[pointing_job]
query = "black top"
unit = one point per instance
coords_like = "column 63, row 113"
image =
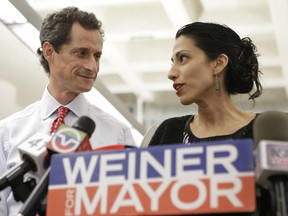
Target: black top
column 177, row 131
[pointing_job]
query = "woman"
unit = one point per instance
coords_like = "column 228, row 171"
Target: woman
column 210, row 62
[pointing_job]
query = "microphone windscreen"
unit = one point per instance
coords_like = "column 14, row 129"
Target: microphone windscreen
column 85, row 124
column 270, row 125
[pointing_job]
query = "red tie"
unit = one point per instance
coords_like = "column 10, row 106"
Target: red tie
column 62, row 112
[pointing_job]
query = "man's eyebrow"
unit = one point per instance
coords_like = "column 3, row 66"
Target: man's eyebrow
column 79, row 48
column 98, row 53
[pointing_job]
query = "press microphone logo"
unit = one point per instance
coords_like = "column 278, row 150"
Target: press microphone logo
column 66, row 139
column 277, row 154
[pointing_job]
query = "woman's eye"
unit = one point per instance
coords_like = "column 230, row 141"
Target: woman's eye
column 183, row 58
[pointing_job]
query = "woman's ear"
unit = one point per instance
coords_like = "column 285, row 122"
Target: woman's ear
column 221, row 63
column 48, row 50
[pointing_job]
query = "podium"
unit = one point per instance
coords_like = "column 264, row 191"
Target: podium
column 203, row 178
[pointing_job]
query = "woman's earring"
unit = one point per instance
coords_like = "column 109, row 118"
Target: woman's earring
column 216, row 84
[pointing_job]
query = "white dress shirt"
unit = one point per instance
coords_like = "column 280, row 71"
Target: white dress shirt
column 38, row 117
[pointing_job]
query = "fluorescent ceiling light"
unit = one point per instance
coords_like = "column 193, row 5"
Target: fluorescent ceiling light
column 19, row 25
column 28, row 34
column 9, row 14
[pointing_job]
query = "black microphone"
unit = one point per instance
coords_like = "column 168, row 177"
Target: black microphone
column 69, row 140
column 34, row 150
column 270, row 131
column 33, row 202
column 73, row 139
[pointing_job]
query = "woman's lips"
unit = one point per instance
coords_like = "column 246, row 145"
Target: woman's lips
column 178, row 87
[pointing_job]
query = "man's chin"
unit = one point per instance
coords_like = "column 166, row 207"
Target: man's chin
column 86, row 90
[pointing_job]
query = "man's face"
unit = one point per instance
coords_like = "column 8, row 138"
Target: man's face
column 74, row 68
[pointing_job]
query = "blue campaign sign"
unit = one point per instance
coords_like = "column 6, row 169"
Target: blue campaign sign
column 220, row 173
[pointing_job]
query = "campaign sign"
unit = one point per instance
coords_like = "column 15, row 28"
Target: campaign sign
column 212, row 177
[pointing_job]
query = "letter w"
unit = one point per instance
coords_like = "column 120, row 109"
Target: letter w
column 79, row 167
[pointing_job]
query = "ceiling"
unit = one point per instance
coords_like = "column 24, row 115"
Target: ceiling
column 138, row 44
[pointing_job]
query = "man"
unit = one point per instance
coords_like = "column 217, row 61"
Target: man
column 71, row 47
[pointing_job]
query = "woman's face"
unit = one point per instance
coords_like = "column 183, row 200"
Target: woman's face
column 191, row 72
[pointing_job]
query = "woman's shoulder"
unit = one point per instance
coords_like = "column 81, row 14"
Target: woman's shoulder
column 176, row 120
column 170, row 131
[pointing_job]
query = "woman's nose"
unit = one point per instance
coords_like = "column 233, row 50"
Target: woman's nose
column 172, row 74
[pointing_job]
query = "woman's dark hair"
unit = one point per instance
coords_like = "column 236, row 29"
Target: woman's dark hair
column 56, row 29
column 243, row 68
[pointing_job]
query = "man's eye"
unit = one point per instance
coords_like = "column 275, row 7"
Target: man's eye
column 81, row 53
column 97, row 56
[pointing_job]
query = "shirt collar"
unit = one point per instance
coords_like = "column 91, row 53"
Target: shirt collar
column 49, row 104
column 79, row 105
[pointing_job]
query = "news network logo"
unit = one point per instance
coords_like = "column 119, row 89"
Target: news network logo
column 277, row 155
column 66, row 139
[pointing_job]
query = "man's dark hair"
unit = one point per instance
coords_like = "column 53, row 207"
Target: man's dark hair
column 56, row 28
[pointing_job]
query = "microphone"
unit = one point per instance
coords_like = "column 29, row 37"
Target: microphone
column 69, row 140
column 33, row 202
column 270, row 131
column 65, row 140
column 270, row 125
column 32, row 152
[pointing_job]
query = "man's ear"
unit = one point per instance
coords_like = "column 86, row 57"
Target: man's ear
column 220, row 64
column 48, row 50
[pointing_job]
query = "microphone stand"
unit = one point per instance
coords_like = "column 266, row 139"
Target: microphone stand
column 14, row 178
column 33, row 203
column 280, row 190
column 21, row 190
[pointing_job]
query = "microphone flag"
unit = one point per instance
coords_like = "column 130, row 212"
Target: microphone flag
column 271, row 159
column 69, row 140
column 35, row 148
column 208, row 177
